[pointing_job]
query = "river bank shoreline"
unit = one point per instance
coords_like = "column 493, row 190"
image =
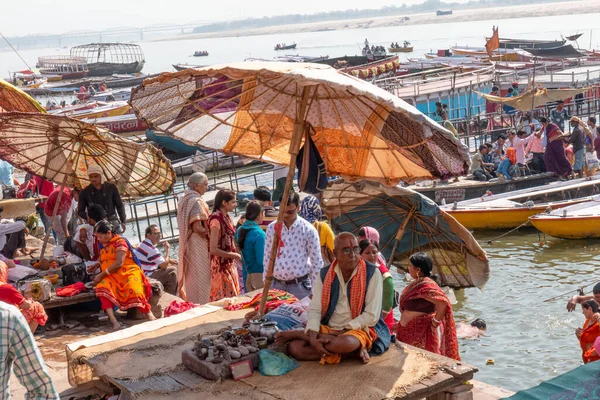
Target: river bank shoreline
column 480, row 14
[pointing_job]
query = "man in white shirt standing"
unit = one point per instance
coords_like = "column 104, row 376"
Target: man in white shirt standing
column 154, row 264
column 298, row 258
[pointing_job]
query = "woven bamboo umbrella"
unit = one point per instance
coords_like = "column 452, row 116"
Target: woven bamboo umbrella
column 409, row 222
column 61, row 149
column 14, row 99
column 265, row 110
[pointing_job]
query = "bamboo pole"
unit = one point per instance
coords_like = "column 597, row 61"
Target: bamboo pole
column 400, row 234
column 297, row 133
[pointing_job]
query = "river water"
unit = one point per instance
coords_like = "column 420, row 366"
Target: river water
column 530, row 340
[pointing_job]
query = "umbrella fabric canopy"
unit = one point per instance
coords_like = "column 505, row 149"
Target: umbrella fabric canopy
column 61, row 149
column 14, row 99
column 407, row 223
column 250, row 109
column 540, row 97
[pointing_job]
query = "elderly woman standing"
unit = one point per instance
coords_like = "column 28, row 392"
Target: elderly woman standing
column 223, row 252
column 194, row 259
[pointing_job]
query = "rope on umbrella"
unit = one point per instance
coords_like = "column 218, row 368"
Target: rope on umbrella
column 507, row 233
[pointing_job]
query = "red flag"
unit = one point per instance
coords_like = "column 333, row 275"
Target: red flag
column 493, row 43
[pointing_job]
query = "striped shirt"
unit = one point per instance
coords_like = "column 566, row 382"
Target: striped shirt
column 149, row 256
column 17, row 346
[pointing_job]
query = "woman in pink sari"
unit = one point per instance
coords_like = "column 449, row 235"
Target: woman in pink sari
column 194, row 260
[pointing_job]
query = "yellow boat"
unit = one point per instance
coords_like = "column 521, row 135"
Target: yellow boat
column 111, row 110
column 581, row 221
column 502, row 214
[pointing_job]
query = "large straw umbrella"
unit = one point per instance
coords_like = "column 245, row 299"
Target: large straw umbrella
column 14, row 99
column 61, row 150
column 408, row 222
column 266, row 110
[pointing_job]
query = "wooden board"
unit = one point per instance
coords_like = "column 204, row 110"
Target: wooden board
column 56, row 301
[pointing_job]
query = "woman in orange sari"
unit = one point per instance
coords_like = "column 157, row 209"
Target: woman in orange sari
column 589, row 332
column 223, row 252
column 34, row 312
column 121, row 282
column 426, row 313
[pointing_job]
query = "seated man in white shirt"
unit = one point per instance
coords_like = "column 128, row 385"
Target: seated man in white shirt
column 344, row 315
column 154, row 264
column 12, row 237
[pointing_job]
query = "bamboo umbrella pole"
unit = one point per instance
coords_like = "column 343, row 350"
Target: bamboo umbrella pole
column 297, row 134
column 400, row 234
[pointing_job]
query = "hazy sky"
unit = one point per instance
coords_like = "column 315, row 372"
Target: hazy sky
column 51, row 16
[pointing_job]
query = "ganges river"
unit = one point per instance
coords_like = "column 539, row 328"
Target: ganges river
column 529, row 340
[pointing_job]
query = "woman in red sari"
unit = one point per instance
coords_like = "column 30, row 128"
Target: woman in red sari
column 589, row 332
column 223, row 252
column 426, row 313
column 33, row 311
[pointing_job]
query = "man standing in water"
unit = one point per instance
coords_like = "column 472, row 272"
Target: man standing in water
column 106, row 195
column 578, row 299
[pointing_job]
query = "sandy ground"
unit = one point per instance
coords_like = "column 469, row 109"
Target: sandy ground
column 549, row 9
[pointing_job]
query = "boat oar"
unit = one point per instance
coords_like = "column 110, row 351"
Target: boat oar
column 580, row 290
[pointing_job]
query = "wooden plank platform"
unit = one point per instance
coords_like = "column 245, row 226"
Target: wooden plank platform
column 57, row 301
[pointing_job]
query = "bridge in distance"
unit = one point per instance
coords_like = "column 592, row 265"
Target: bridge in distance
column 135, row 33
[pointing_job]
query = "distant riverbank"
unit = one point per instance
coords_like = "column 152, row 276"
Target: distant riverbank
column 479, row 14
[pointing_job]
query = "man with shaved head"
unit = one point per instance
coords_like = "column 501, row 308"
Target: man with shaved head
column 344, row 315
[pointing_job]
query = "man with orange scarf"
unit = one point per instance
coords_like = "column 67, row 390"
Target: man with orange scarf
column 344, row 315
column 426, row 313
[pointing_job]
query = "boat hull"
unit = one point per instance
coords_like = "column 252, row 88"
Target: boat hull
column 458, row 192
column 400, row 50
column 105, row 69
column 503, row 218
column 568, row 227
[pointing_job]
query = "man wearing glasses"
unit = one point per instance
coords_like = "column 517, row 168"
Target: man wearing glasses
column 154, row 264
column 298, row 258
column 344, row 315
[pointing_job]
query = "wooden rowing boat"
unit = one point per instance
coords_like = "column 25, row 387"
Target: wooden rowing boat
column 510, row 210
column 408, row 49
column 580, row 221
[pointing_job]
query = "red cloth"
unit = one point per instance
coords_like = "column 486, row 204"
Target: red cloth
column 44, row 187
column 70, row 290
column 10, row 295
column 30, row 185
column 275, row 298
column 65, row 202
column 419, row 332
column 177, row 307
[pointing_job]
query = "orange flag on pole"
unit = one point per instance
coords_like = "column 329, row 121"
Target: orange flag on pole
column 493, row 43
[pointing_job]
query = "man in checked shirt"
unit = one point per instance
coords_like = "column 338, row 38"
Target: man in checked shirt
column 299, row 254
column 18, row 347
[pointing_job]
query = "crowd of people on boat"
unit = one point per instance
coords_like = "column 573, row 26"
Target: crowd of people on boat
column 397, row 46
column 85, row 93
column 541, row 145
